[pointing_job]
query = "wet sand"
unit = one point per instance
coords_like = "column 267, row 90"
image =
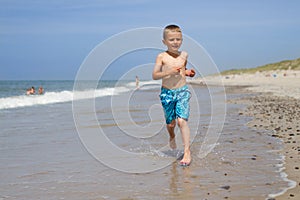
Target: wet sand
column 42, row 156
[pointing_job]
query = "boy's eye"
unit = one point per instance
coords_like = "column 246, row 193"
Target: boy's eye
column 177, row 39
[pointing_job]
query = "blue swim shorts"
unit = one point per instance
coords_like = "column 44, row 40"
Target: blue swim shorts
column 175, row 103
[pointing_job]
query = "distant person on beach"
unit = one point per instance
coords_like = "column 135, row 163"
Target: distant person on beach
column 41, row 90
column 170, row 66
column 30, row 91
column 137, row 82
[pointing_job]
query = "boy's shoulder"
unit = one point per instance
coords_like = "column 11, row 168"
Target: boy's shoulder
column 161, row 54
column 184, row 54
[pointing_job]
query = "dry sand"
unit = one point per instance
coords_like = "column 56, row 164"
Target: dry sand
column 279, row 83
column 277, row 108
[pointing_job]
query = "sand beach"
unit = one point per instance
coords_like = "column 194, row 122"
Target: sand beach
column 275, row 106
column 280, row 83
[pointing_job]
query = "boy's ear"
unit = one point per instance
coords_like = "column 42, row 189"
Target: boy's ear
column 163, row 41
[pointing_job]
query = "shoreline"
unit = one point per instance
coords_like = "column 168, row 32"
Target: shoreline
column 275, row 106
column 269, row 113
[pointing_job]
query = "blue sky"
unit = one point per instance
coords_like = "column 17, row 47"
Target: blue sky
column 50, row 39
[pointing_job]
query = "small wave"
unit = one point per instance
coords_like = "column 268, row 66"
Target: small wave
column 57, row 97
column 284, row 176
column 51, row 97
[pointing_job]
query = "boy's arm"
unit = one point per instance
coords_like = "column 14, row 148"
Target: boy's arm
column 188, row 72
column 157, row 71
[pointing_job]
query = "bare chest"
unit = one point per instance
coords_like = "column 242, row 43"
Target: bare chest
column 171, row 62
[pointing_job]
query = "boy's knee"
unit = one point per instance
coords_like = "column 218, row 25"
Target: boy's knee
column 181, row 122
column 172, row 124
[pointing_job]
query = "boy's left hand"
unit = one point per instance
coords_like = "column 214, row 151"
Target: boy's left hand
column 190, row 73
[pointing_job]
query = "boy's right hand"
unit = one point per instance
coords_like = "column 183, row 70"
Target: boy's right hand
column 190, row 73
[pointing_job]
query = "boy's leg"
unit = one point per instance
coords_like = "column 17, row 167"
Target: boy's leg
column 185, row 134
column 183, row 112
column 171, row 128
column 168, row 104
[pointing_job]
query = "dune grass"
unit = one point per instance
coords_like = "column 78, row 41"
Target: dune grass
column 282, row 65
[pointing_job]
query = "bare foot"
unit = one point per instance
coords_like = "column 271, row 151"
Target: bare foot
column 172, row 143
column 186, row 160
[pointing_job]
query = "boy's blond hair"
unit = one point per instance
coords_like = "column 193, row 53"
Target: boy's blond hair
column 171, row 28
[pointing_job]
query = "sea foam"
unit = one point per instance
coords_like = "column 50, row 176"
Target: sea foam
column 69, row 95
column 56, row 97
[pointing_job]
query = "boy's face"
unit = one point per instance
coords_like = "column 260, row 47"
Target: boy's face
column 173, row 40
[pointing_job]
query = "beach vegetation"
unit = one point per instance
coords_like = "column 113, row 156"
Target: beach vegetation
column 282, row 65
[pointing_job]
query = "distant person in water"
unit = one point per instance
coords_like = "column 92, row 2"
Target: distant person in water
column 137, row 82
column 41, row 90
column 30, row 91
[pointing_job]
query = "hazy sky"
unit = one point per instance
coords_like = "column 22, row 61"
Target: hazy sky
column 43, row 39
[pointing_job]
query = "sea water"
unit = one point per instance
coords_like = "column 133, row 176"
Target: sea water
column 12, row 93
column 42, row 155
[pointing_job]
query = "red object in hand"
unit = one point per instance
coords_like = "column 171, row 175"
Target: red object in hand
column 191, row 73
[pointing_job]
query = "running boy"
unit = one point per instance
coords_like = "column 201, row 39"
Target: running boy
column 170, row 66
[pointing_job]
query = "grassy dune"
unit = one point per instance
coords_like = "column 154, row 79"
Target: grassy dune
column 283, row 65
